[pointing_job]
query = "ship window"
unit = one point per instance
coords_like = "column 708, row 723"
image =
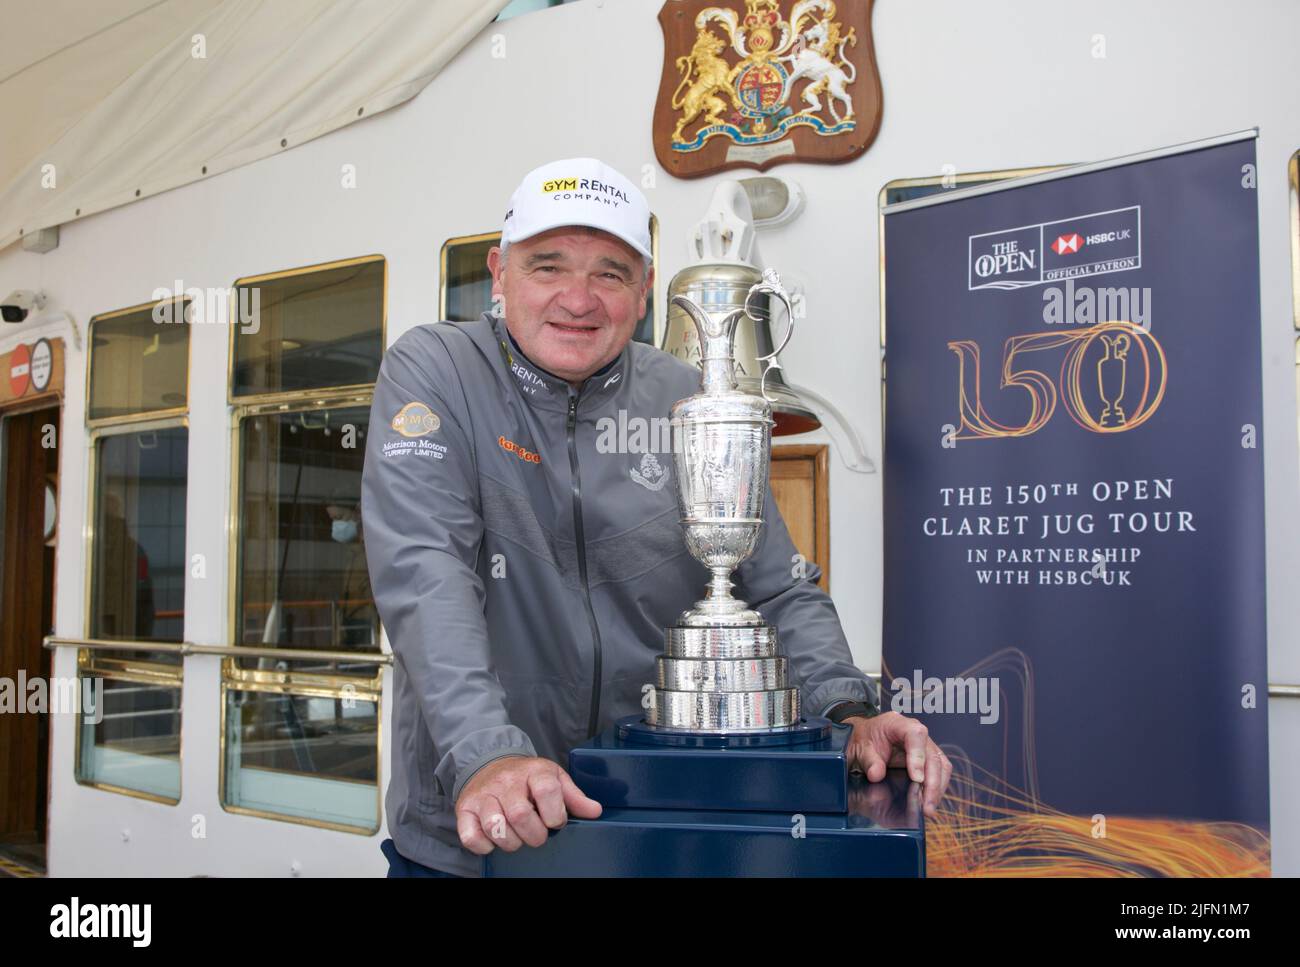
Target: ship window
column 131, row 739
column 139, row 362
column 1293, row 176
column 300, row 713
column 465, row 289
column 310, row 754
column 302, row 572
column 320, row 327
column 137, row 587
column 128, row 738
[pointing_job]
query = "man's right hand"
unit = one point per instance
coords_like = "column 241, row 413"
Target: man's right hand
column 514, row 801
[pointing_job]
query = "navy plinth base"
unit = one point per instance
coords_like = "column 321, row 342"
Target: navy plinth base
column 640, row 767
column 627, row 842
column 762, row 804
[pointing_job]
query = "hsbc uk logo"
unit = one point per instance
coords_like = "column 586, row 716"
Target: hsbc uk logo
column 1067, row 244
column 1094, row 244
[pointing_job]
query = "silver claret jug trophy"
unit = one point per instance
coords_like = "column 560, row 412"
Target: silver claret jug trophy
column 720, row 671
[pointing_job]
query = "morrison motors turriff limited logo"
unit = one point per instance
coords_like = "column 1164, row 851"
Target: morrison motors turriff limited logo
column 1070, row 248
column 416, row 419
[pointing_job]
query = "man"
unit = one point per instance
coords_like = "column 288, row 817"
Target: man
column 355, row 623
column 525, row 577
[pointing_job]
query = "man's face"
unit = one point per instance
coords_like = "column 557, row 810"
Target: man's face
column 572, row 298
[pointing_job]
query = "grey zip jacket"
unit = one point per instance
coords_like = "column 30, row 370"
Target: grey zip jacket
column 525, row 553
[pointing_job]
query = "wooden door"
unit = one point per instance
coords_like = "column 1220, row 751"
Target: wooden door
column 800, row 483
column 26, row 616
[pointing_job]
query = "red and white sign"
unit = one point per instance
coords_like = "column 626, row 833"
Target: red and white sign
column 20, row 369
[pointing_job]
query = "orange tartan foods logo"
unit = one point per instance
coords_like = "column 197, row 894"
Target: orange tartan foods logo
column 511, row 447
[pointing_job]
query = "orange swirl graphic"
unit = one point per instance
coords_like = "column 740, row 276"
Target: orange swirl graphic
column 986, row 829
column 988, row 826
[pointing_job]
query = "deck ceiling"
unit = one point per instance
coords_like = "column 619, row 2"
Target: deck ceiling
column 110, row 94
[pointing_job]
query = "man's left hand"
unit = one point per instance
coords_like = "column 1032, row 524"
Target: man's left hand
column 890, row 739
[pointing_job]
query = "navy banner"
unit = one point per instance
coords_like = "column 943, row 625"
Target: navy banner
column 1074, row 515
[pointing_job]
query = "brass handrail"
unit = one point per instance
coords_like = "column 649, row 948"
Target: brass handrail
column 1275, row 690
column 226, row 651
column 172, row 647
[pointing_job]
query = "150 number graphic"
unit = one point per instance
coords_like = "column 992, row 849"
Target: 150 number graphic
column 1112, row 346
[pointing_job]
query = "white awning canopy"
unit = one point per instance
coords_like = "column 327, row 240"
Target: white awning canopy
column 107, row 102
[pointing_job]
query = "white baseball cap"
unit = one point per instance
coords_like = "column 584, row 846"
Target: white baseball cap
column 578, row 191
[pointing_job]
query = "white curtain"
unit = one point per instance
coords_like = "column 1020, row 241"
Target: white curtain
column 249, row 78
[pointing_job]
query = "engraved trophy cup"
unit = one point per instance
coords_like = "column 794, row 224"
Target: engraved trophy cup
column 720, row 671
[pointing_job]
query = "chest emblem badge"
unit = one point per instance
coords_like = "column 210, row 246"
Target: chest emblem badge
column 651, row 475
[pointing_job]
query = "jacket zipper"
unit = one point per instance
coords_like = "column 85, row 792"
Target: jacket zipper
column 570, row 433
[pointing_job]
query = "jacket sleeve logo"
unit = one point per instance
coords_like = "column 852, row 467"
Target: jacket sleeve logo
column 416, row 419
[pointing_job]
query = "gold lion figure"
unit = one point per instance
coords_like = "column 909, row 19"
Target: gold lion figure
column 713, row 75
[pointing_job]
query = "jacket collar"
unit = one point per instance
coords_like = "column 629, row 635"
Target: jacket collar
column 537, row 386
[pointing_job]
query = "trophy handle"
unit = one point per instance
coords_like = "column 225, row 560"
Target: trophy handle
column 771, row 286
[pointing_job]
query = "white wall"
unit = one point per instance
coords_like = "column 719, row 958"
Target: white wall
column 1002, row 83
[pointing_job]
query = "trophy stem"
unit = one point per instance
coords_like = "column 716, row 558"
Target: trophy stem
column 719, row 585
